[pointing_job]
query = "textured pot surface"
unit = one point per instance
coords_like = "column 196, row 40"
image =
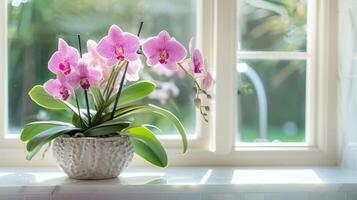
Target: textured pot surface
column 92, row 158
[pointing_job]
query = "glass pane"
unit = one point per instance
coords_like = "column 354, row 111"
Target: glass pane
column 271, row 101
column 35, row 25
column 272, row 25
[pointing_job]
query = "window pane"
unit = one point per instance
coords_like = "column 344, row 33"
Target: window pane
column 272, row 25
column 271, row 101
column 35, row 25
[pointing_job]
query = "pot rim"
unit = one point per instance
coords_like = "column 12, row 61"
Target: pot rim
column 94, row 138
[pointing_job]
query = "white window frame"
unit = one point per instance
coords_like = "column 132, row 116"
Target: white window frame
column 215, row 142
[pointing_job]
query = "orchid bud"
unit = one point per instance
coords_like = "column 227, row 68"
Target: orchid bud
column 207, row 108
column 197, row 102
column 194, row 90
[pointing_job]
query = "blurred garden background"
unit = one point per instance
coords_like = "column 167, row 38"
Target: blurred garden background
column 273, row 26
column 265, row 25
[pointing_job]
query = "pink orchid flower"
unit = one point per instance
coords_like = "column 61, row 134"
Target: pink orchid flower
column 198, row 67
column 207, row 81
column 63, row 60
column 92, row 57
column 163, row 50
column 196, row 61
column 59, row 88
column 86, row 76
column 133, row 70
column 118, row 46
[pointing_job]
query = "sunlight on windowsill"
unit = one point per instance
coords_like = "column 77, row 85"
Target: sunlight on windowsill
column 180, row 176
column 275, row 176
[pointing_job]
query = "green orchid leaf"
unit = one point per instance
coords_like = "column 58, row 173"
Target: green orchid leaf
column 34, row 128
column 113, row 123
column 152, row 127
column 48, row 135
column 41, row 98
column 107, row 128
column 148, row 108
column 77, row 122
column 97, row 96
column 32, row 153
column 134, row 92
column 147, row 146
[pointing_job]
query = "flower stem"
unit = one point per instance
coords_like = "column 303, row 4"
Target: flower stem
column 110, row 79
column 79, row 109
column 120, row 88
column 88, row 111
column 123, row 79
column 112, row 83
column 189, row 75
column 79, row 45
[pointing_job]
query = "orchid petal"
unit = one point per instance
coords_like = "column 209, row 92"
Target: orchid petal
column 130, row 42
column 151, row 47
column 133, row 70
column 115, row 33
column 207, row 81
column 177, row 50
column 62, row 46
column 54, row 62
column 112, row 61
column 106, row 47
column 52, row 87
column 72, row 55
column 94, row 76
column 164, row 35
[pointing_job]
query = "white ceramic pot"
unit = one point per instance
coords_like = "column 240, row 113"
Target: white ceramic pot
column 93, row 158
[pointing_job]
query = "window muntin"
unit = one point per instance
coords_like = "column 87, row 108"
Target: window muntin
column 33, row 29
column 272, row 93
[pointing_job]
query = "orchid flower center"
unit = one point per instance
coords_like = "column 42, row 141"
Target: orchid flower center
column 197, row 66
column 84, row 83
column 64, row 92
column 65, row 67
column 163, row 57
column 119, row 52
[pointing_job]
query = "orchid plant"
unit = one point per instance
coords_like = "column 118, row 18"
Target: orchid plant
column 108, row 76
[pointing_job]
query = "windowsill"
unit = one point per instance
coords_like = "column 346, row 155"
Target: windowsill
column 185, row 183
